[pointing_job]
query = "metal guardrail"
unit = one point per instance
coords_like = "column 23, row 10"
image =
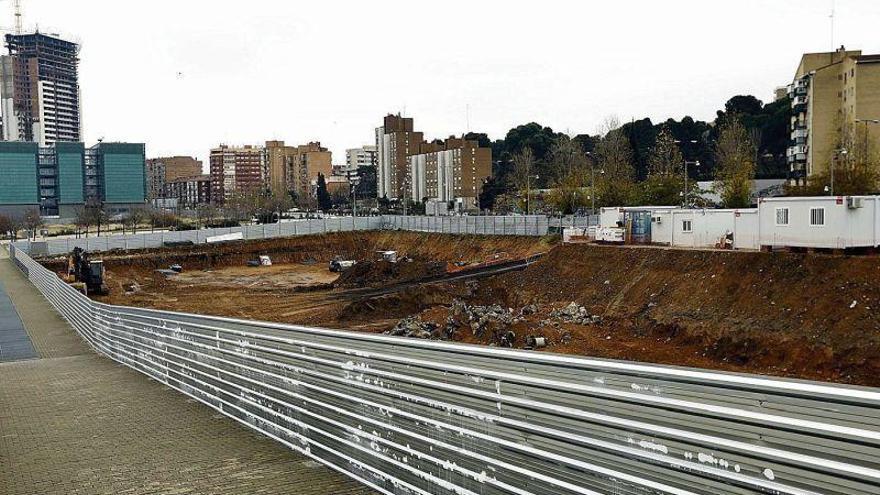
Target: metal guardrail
column 407, row 416
column 486, row 225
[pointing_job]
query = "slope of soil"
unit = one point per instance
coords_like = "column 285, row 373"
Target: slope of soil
column 811, row 316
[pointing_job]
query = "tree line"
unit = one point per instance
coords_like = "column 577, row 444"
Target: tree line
column 639, row 162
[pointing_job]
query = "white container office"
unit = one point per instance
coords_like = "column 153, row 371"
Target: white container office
column 824, row 222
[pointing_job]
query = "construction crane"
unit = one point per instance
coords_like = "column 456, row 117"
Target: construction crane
column 16, row 5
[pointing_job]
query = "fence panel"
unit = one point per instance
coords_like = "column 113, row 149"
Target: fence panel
column 428, row 417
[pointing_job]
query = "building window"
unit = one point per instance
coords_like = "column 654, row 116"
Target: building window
column 781, row 216
column 817, row 217
column 687, row 226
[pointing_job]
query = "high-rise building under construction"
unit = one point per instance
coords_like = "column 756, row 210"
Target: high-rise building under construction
column 39, row 89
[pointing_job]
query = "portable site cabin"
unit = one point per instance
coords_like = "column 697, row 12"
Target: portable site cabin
column 704, row 228
column 610, row 215
column 829, row 222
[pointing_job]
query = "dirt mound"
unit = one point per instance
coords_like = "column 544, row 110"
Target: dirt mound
column 383, row 273
column 803, row 315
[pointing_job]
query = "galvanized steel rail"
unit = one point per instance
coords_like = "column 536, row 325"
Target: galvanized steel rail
column 409, row 416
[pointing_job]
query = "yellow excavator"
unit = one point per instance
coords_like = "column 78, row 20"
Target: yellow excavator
column 85, row 274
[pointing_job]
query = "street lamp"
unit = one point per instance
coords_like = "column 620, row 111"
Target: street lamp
column 593, row 161
column 695, row 163
column 834, row 158
column 353, row 181
column 529, row 192
column 866, row 122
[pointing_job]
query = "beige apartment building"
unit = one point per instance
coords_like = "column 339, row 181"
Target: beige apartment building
column 395, row 141
column 304, row 166
column 278, row 158
column 835, row 99
column 450, row 170
column 161, row 171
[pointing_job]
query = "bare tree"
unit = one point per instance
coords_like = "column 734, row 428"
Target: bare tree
column 523, row 168
column 82, row 220
column 614, row 151
column 523, row 173
column 566, row 157
column 735, row 155
column 6, row 227
column 136, row 216
column 614, row 155
column 32, row 221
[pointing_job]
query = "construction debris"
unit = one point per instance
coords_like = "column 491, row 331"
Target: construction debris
column 575, row 313
column 413, row 326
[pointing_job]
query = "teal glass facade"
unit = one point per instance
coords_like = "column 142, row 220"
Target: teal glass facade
column 62, row 177
column 18, row 173
column 122, row 170
column 70, row 158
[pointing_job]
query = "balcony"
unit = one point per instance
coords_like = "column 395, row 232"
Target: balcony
column 799, row 133
column 796, row 150
column 799, row 102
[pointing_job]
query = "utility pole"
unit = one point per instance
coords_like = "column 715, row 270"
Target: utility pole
column 835, row 158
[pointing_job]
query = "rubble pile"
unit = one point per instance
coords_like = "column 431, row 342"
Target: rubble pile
column 496, row 325
column 413, row 326
column 574, row 313
column 479, row 318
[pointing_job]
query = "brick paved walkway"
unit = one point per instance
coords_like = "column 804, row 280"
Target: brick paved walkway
column 74, row 422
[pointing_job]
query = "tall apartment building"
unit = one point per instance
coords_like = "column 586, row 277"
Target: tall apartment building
column 161, row 171
column 410, row 168
column 237, row 170
column 279, row 157
column 364, row 156
column 61, row 178
column 835, row 99
column 303, row 168
column 39, row 89
column 452, row 170
column 395, row 141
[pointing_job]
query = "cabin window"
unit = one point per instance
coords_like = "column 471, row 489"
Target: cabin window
column 781, row 216
column 686, row 226
column 817, row 217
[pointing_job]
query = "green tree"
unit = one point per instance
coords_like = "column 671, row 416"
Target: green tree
column 665, row 182
column 325, row 202
column 735, row 155
column 666, row 158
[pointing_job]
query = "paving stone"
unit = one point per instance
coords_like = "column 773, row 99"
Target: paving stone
column 75, row 422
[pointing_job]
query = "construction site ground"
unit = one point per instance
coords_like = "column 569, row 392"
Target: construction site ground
column 798, row 315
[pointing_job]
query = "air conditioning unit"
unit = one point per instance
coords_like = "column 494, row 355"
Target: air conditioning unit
column 853, row 203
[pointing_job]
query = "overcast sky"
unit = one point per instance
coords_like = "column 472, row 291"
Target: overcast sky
column 184, row 76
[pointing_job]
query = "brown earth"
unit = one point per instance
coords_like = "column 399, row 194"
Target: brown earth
column 801, row 315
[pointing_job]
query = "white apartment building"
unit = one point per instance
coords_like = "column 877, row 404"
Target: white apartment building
column 364, row 156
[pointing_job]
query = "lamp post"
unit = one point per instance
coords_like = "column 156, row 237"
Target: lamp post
column 593, row 161
column 834, row 158
column 353, row 181
column 695, row 163
column 529, row 193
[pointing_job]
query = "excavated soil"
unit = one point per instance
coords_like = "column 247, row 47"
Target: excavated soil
column 799, row 315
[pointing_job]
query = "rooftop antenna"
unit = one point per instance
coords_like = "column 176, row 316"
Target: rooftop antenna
column 831, row 18
column 16, row 4
column 467, row 112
